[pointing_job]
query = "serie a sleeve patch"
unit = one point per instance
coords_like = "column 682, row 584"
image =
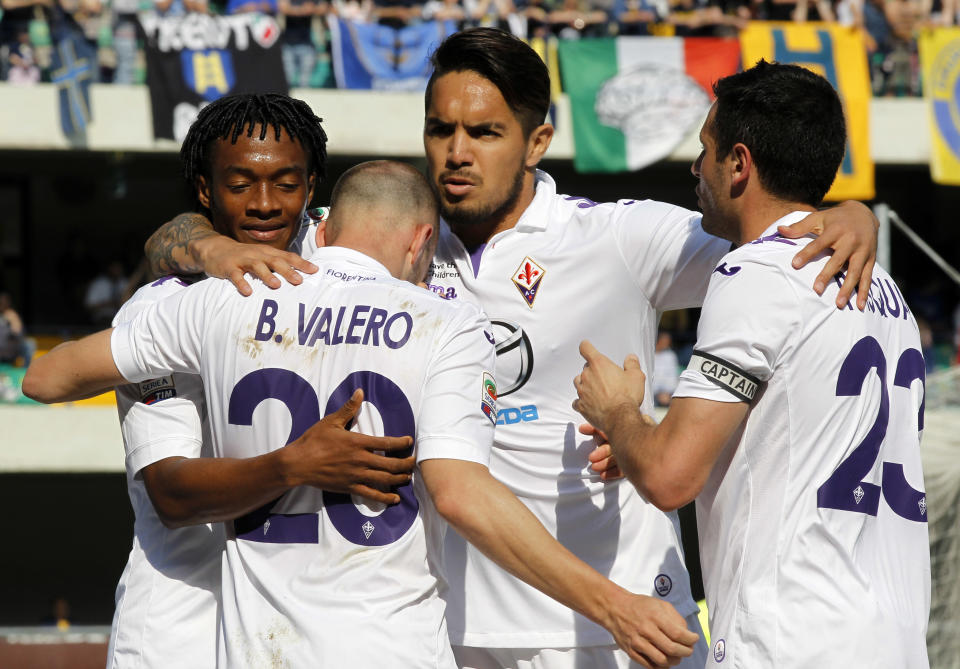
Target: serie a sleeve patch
column 741, row 385
column 155, row 390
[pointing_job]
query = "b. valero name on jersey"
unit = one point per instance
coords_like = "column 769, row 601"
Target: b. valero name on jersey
column 512, row 415
column 360, row 324
column 156, row 390
column 726, row 375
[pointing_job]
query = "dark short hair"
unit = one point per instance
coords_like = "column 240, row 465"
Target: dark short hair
column 505, row 61
column 791, row 120
column 227, row 118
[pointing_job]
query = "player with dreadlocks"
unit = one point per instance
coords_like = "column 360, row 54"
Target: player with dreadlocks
column 252, row 162
column 226, row 122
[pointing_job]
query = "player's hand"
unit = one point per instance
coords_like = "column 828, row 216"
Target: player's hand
column 604, row 388
column 227, row 258
column 850, row 229
column 331, row 457
column 650, row 630
column 602, row 460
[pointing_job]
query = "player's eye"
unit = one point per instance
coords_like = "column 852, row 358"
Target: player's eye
column 237, row 188
column 439, row 129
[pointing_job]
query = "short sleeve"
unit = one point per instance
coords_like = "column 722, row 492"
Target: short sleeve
column 161, row 418
column 667, row 252
column 459, row 408
column 164, row 337
column 750, row 312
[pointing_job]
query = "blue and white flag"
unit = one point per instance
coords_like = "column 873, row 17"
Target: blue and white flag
column 372, row 56
column 72, row 68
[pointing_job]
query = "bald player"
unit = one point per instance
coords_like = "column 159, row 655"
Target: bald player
column 322, row 579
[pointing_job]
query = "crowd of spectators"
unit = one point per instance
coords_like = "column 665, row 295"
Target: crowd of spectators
column 110, row 26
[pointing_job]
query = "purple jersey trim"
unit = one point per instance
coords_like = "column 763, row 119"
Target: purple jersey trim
column 475, row 259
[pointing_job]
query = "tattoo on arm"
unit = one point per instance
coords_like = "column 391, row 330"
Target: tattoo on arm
column 169, row 248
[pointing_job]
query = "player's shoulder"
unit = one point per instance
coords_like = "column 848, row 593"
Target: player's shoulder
column 626, row 211
column 435, row 302
column 771, row 249
column 149, row 293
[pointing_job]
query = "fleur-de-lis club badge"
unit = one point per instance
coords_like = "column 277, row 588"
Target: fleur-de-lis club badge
column 527, row 279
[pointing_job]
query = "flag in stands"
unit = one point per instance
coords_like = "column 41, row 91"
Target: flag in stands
column 196, row 58
column 836, row 53
column 634, row 99
column 72, row 68
column 940, row 58
column 370, row 55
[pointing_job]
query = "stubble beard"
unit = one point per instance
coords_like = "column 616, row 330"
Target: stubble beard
column 483, row 214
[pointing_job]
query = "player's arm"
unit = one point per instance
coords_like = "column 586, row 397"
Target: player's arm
column 188, row 244
column 671, row 258
column 490, row 517
column 188, row 491
column 667, row 463
column 850, row 229
column 73, row 370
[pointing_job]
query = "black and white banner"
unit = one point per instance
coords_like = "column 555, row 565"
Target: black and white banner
column 194, row 59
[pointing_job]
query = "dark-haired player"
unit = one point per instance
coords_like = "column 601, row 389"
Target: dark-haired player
column 796, row 424
column 550, row 270
column 322, row 580
column 252, row 162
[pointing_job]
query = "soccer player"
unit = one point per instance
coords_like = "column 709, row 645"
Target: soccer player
column 796, row 425
column 550, row 270
column 319, row 579
column 167, row 598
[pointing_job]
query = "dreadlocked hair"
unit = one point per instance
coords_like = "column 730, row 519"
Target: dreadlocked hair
column 228, row 117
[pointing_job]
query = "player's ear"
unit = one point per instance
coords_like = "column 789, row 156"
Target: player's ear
column 741, row 164
column 322, row 233
column 420, row 243
column 311, row 182
column 203, row 191
column 538, row 143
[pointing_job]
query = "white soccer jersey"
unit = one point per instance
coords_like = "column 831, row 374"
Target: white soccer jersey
column 318, row 579
column 167, row 598
column 570, row 270
column 813, row 535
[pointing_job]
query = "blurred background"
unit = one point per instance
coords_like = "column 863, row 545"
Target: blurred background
column 95, row 96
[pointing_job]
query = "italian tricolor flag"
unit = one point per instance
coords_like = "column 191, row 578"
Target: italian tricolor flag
column 634, row 99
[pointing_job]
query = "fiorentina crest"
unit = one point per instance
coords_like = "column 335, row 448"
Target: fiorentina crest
column 527, row 279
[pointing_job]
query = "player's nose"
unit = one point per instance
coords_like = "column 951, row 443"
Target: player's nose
column 459, row 150
column 263, row 202
column 695, row 166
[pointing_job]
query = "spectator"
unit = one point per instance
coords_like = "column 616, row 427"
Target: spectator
column 577, row 18
column 15, row 26
column 14, row 343
column 445, row 10
column 395, row 13
column 636, row 17
column 299, row 52
column 776, row 10
column 824, row 12
column 492, row 14
column 666, row 370
column 900, row 69
column 360, row 11
column 105, row 295
column 59, row 614
column 704, row 18
column 125, row 40
column 23, row 69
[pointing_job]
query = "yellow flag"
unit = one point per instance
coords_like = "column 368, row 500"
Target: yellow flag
column 940, row 59
column 838, row 54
